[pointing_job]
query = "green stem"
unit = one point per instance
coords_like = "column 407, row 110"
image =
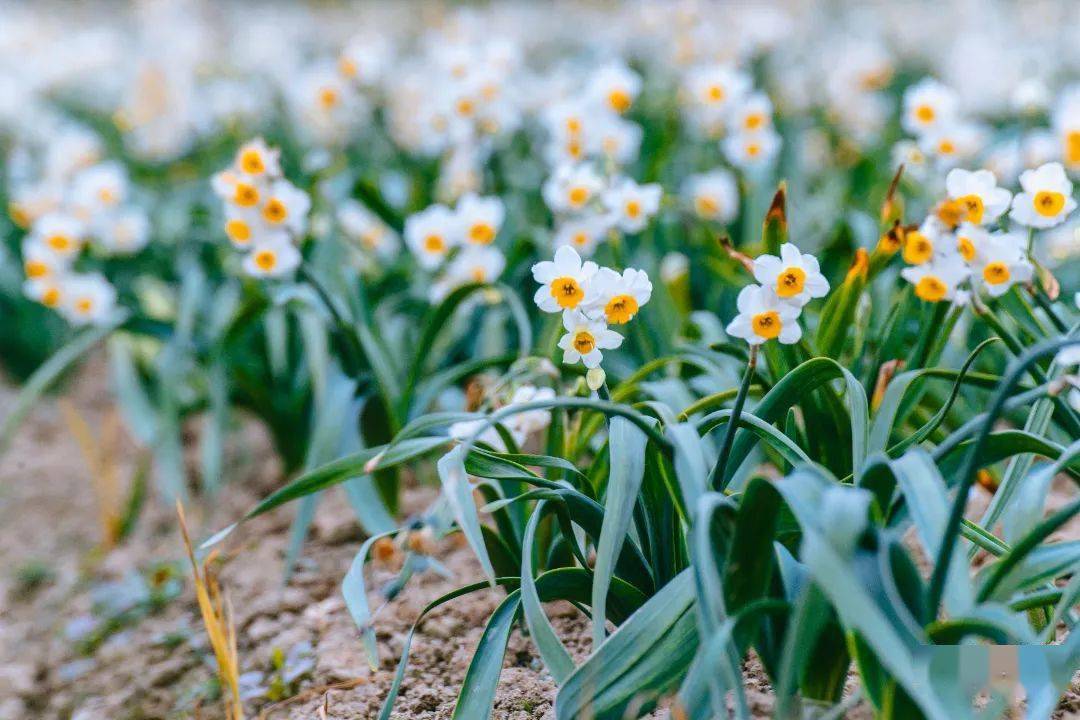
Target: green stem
column 716, row 478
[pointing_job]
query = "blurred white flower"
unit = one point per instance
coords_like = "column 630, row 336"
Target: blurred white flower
column 480, row 218
column 979, row 193
column 713, row 195
column 631, row 205
column 272, row 256
column 1002, row 262
column 1046, row 199
column 928, row 106
column 431, row 233
column 618, row 297
column 938, row 279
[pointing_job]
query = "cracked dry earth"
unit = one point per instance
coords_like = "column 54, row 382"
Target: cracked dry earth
column 160, row 666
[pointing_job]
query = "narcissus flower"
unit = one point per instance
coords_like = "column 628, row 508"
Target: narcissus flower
column 618, row 297
column 431, row 233
column 938, row 279
column 1046, row 199
column 982, row 199
column 480, row 218
column 272, row 257
column 764, row 316
column 970, row 238
column 583, row 233
column 632, row 205
column 60, row 233
column 366, row 229
column 87, row 299
column 97, row 189
column 922, row 243
column 752, row 149
column 615, row 87
column 585, row 338
column 1002, row 262
column 717, row 86
column 752, row 113
column 713, row 195
column 123, row 232
column 285, row 206
column 794, row 277
column 563, row 281
column 256, row 160
column 928, row 105
column 572, row 187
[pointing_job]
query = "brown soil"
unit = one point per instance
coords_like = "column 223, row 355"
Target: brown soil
column 161, row 667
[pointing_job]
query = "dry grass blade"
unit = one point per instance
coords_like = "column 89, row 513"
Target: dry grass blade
column 100, row 457
column 217, row 617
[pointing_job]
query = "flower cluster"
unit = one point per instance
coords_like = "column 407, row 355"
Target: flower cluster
column 968, row 238
column 458, row 243
column 74, row 202
column 590, row 299
column 265, row 214
column 772, row 308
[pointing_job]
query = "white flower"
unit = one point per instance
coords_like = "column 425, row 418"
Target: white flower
column 928, row 240
column 583, row 233
column 1068, row 356
column 48, row 290
column 1002, row 262
column 1046, row 199
column 793, row 276
column 239, row 190
column 928, row 105
column 87, row 299
column 713, row 195
column 286, row 207
column 585, row 338
column 764, row 316
column 123, row 232
column 98, row 189
column 615, row 138
column 477, row 265
column 632, row 205
column 619, row 297
column 752, row 149
column 529, row 421
column 615, row 86
column 717, row 86
column 563, row 281
column 970, row 240
column 480, row 218
column 61, row 233
column 256, row 160
column 978, row 191
column 272, row 257
column 466, row 429
column 571, row 187
column 952, row 142
column 40, row 262
column 431, row 233
column 752, row 113
column 364, row 59
column 364, row 227
column 938, row 279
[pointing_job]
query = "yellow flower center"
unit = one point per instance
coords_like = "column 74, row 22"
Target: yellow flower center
column 578, row 195
column 931, row 288
column 767, row 324
column 574, row 149
column 19, row 215
column 567, row 292
column 328, row 98
column 633, row 209
column 975, row 207
column 715, row 94
column 621, row 309
column 245, row 195
column 1048, row 203
column 706, row 205
column 917, row 248
column 107, row 196
column 619, row 100
column 35, row 269
column 274, row 211
column 252, row 163
column 951, row 212
column 434, row 243
column 84, row 305
column 347, row 67
column 266, row 260
column 1072, row 147
column 573, row 125
column 584, row 342
column 996, row 273
column 479, row 274
column 946, row 147
column 580, row 239
column 465, row 107
column 51, row 297
column 753, row 121
column 238, row 231
column 753, row 149
column 925, row 114
column 790, row 282
column 60, row 243
column 966, row 248
column 481, row 233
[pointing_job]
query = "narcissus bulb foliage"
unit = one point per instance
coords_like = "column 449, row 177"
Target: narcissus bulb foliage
column 1046, row 199
column 983, row 201
column 793, row 276
column 265, row 214
column 591, row 299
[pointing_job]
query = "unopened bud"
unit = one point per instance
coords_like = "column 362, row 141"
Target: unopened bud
column 595, row 378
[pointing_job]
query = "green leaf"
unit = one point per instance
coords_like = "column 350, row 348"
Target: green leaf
column 627, row 451
column 354, row 589
column 555, row 657
column 458, row 493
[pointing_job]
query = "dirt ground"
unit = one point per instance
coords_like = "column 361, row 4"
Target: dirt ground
column 155, row 661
